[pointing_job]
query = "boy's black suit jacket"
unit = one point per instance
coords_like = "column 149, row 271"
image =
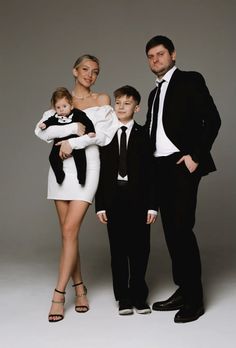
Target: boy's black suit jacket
column 139, row 171
column 190, row 118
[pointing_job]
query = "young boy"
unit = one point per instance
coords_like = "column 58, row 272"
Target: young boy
column 63, row 114
column 124, row 202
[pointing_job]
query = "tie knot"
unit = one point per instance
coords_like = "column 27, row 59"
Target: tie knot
column 160, row 84
column 123, row 128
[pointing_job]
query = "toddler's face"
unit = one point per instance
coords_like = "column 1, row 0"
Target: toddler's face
column 63, row 107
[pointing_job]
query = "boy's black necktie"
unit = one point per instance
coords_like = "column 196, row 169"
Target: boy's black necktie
column 123, row 153
column 155, row 115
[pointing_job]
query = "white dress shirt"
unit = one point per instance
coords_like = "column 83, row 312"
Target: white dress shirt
column 129, row 126
column 164, row 147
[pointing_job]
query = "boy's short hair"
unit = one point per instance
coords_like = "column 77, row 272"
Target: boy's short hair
column 60, row 93
column 129, row 91
column 160, row 40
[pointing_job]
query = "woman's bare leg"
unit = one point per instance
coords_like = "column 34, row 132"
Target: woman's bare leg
column 80, row 290
column 71, row 215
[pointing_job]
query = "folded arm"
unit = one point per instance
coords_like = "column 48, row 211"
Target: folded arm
column 54, row 132
column 106, row 125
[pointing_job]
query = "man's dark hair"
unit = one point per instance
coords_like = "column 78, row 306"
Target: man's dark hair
column 160, row 40
column 129, row 91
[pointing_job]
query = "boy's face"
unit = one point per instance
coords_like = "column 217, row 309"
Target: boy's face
column 125, row 107
column 63, row 107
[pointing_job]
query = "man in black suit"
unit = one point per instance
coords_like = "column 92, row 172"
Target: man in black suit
column 124, row 202
column 182, row 122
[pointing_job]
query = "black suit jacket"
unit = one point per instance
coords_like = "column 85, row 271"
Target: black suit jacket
column 139, row 171
column 190, row 118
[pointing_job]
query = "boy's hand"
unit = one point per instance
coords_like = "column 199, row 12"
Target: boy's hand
column 102, row 217
column 151, row 218
column 65, row 150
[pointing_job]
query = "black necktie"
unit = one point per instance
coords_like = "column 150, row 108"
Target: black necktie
column 123, row 153
column 155, row 108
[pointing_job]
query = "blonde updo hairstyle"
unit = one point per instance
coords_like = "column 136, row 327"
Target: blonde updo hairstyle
column 86, row 57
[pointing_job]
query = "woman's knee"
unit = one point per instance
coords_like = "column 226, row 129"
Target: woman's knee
column 69, row 231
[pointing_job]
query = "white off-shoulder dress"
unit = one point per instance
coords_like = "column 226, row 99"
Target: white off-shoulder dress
column 106, row 124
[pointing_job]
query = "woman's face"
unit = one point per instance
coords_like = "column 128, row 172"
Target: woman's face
column 86, row 73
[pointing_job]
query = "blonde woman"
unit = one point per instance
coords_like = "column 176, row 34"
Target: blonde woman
column 72, row 199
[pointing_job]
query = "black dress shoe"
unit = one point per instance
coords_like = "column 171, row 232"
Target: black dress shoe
column 188, row 313
column 174, row 302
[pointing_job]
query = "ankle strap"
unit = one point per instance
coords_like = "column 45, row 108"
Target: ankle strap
column 77, row 284
column 58, row 301
column 60, row 292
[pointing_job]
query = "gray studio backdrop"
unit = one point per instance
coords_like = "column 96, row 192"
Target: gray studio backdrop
column 40, row 40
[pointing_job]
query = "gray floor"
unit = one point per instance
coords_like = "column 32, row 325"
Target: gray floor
column 27, row 279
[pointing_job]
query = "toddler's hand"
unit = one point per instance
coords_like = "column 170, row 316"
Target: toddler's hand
column 42, row 125
column 91, row 134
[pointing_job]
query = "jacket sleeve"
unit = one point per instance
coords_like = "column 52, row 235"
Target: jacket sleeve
column 152, row 180
column 99, row 196
column 51, row 121
column 206, row 110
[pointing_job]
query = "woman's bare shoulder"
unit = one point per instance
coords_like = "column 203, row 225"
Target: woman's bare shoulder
column 102, row 99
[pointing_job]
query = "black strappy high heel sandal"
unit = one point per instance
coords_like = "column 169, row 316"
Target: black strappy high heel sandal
column 81, row 308
column 60, row 316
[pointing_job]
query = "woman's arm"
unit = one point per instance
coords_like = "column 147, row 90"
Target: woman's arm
column 106, row 125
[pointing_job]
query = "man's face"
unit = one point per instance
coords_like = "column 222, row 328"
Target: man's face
column 125, row 107
column 160, row 60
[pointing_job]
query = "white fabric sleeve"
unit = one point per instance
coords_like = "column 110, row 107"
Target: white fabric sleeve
column 106, row 125
column 54, row 132
column 153, row 212
column 101, row 212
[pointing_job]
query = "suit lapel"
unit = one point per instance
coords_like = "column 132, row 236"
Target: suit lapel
column 171, row 86
column 171, row 101
column 132, row 138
